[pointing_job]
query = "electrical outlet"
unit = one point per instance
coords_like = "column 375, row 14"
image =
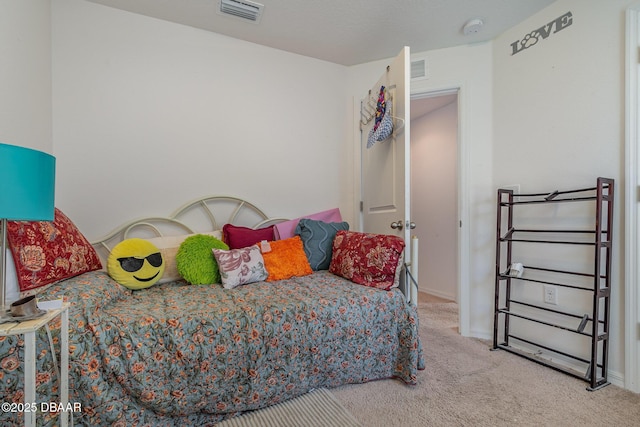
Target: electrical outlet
column 550, row 294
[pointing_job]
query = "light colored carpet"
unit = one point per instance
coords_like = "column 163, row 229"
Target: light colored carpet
column 465, row 384
column 318, row 408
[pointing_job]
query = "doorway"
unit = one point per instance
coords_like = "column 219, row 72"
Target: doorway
column 434, row 191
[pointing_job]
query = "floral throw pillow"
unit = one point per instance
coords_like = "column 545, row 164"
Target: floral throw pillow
column 45, row 252
column 240, row 266
column 367, row 259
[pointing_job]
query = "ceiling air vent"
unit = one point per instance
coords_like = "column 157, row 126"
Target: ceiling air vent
column 419, row 69
column 244, row 9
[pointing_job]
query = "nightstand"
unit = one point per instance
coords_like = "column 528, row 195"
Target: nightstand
column 28, row 329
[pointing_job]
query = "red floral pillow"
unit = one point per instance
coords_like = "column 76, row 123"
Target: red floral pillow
column 367, row 259
column 46, row 252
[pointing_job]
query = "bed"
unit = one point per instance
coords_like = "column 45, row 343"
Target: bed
column 177, row 354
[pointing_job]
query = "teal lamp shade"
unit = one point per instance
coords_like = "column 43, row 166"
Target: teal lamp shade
column 27, row 184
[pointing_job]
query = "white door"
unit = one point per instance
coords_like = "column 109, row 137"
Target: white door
column 386, row 178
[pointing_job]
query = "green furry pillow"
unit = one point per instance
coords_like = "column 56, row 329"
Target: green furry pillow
column 195, row 261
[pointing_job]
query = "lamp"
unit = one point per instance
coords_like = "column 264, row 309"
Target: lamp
column 27, row 184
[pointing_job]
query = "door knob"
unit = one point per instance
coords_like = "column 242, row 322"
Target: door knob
column 411, row 225
column 396, row 225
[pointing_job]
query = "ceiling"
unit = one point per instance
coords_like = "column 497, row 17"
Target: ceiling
column 347, row 32
column 423, row 106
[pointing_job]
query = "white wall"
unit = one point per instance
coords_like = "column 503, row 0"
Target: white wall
column 25, row 74
column 558, row 116
column 149, row 115
column 434, row 198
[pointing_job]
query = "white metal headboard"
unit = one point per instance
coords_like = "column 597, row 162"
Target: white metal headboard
column 205, row 214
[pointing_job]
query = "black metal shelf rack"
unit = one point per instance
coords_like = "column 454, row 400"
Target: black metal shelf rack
column 595, row 324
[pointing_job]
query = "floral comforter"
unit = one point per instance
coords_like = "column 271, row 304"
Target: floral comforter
column 177, row 354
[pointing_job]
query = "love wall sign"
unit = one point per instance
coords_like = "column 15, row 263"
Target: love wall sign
column 542, row 33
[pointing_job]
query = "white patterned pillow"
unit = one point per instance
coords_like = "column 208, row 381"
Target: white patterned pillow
column 240, row 266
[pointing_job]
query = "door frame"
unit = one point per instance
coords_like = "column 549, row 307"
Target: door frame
column 464, row 230
column 631, row 190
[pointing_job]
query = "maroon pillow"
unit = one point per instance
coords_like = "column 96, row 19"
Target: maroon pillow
column 240, row 237
column 46, row 252
column 367, row 259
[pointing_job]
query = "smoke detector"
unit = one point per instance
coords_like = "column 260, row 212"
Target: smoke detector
column 473, row 26
column 243, row 9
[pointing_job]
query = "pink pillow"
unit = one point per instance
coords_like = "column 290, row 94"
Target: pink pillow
column 237, row 237
column 46, row 252
column 373, row 260
column 286, row 229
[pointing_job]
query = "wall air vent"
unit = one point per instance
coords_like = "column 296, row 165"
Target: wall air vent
column 243, row 9
column 419, row 69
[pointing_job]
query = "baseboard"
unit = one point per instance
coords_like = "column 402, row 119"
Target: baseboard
column 438, row 294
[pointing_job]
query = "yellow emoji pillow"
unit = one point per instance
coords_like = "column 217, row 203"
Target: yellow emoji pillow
column 135, row 263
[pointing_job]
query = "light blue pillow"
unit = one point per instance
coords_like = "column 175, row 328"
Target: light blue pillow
column 317, row 240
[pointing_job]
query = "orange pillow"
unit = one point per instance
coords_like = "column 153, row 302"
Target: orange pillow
column 286, row 259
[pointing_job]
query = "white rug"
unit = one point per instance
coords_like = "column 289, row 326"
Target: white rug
column 318, row 408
